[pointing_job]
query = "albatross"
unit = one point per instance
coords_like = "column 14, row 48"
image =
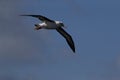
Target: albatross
column 56, row 25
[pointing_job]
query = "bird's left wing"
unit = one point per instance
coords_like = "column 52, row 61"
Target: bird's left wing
column 67, row 37
column 40, row 17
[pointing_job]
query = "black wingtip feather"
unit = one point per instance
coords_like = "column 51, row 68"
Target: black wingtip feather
column 71, row 43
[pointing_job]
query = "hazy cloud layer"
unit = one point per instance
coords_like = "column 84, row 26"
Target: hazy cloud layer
column 18, row 41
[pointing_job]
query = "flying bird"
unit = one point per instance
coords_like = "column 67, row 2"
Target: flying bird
column 51, row 24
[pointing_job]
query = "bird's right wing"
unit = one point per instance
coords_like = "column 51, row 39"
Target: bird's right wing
column 67, row 37
column 40, row 17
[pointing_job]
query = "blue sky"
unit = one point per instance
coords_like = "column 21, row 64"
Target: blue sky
column 26, row 54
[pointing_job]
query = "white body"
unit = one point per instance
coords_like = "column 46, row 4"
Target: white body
column 49, row 25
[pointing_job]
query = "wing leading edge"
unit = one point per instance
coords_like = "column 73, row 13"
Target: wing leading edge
column 40, row 17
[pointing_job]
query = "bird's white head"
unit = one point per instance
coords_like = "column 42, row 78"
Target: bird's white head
column 59, row 23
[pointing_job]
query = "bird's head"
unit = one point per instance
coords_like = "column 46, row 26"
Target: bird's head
column 59, row 23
